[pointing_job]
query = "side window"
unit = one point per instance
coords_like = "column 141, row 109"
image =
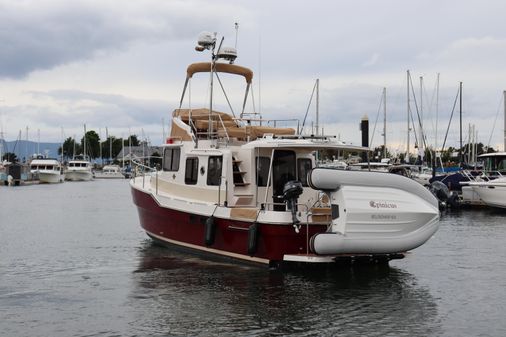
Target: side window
column 262, row 170
column 171, row 159
column 191, row 171
column 303, row 168
column 214, row 170
column 502, row 165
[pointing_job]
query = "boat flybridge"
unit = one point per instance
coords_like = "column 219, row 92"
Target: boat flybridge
column 244, row 188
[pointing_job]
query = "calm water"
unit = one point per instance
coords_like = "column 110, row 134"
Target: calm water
column 74, row 262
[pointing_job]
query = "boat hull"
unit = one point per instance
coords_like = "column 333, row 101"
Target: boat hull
column 50, row 177
column 78, row 175
column 492, row 194
column 231, row 239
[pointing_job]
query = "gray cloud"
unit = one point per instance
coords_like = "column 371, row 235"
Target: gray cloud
column 78, row 107
column 39, row 35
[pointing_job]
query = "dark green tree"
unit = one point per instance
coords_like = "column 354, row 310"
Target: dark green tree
column 133, row 139
column 92, row 144
column 111, row 142
column 10, row 156
column 377, row 153
column 68, row 148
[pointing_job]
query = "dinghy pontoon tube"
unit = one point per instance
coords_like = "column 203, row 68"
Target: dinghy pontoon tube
column 373, row 212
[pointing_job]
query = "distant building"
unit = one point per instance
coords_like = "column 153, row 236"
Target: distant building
column 137, row 153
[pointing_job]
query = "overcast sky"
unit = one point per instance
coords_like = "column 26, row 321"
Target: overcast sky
column 121, row 64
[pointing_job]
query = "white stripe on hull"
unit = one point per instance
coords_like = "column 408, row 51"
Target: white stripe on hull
column 210, row 250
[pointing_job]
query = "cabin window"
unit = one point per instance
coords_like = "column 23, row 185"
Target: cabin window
column 49, row 167
column 501, row 165
column 262, row 170
column 171, row 159
column 303, row 168
column 191, row 171
column 214, row 166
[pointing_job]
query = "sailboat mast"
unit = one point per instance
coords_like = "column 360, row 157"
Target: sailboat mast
column 317, row 106
column 407, row 152
column 27, row 154
column 384, row 122
column 460, row 102
column 421, row 143
column 84, row 141
column 100, row 146
column 437, row 117
column 62, row 142
column 110, row 145
column 504, row 95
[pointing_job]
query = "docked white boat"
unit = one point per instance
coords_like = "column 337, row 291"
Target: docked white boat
column 47, row 170
column 492, row 192
column 79, row 170
column 252, row 192
column 110, row 172
column 494, row 170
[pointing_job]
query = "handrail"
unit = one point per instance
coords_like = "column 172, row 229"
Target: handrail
column 224, row 128
column 143, row 166
column 267, row 121
column 275, row 121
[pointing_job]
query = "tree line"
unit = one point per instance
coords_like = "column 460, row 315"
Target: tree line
column 111, row 146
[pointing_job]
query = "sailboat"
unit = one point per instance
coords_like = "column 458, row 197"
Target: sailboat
column 241, row 188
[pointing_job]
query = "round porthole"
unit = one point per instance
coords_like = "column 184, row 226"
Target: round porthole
column 202, row 170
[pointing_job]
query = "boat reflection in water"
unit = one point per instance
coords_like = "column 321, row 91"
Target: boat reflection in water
column 181, row 293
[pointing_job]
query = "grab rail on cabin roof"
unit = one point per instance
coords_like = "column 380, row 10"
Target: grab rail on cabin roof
column 267, row 121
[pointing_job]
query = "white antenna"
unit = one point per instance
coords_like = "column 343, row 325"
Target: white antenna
column 236, row 33
column 260, row 74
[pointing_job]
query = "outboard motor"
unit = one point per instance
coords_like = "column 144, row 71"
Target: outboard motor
column 443, row 195
column 291, row 192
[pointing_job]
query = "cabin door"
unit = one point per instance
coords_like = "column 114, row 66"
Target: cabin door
column 283, row 170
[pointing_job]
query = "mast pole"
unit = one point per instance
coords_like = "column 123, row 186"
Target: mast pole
column 84, row 141
column 437, row 117
column 407, row 152
column 317, row 106
column 504, row 94
column 100, row 144
column 384, row 122
column 27, row 154
column 110, row 147
column 460, row 104
column 421, row 144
